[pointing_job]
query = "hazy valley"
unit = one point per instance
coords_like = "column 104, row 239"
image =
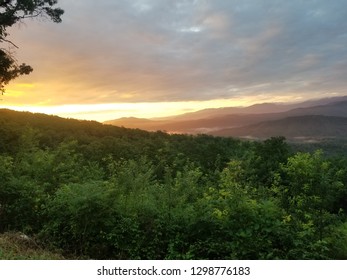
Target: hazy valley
column 325, row 118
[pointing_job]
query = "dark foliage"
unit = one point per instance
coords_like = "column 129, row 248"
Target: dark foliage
column 104, row 192
column 12, row 12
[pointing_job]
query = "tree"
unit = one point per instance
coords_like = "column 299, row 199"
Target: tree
column 309, row 188
column 267, row 159
column 11, row 12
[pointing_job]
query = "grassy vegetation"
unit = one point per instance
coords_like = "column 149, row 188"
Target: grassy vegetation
column 18, row 246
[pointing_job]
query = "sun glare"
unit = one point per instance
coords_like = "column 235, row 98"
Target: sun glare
column 109, row 111
column 103, row 112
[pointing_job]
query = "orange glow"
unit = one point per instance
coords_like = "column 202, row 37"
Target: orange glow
column 109, row 111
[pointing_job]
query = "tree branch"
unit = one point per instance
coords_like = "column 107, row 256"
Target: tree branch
column 10, row 42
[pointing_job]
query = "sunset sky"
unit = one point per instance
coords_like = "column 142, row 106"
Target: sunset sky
column 152, row 58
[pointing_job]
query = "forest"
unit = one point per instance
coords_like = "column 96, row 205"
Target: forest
column 95, row 191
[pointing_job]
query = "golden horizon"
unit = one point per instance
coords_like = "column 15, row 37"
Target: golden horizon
column 108, row 111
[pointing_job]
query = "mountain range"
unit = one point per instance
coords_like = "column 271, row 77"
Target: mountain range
column 322, row 118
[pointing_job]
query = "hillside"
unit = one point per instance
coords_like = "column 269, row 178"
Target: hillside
column 132, row 122
column 220, row 121
column 92, row 191
column 261, row 108
column 312, row 126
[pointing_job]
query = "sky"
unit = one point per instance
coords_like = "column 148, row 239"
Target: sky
column 153, row 58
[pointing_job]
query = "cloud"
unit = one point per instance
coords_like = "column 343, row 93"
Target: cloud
column 159, row 50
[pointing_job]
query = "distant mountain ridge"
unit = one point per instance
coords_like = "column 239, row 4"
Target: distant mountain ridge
column 311, row 126
column 256, row 121
column 260, row 108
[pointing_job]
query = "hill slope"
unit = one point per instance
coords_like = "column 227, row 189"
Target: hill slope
column 219, row 120
column 313, row 126
column 261, row 108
